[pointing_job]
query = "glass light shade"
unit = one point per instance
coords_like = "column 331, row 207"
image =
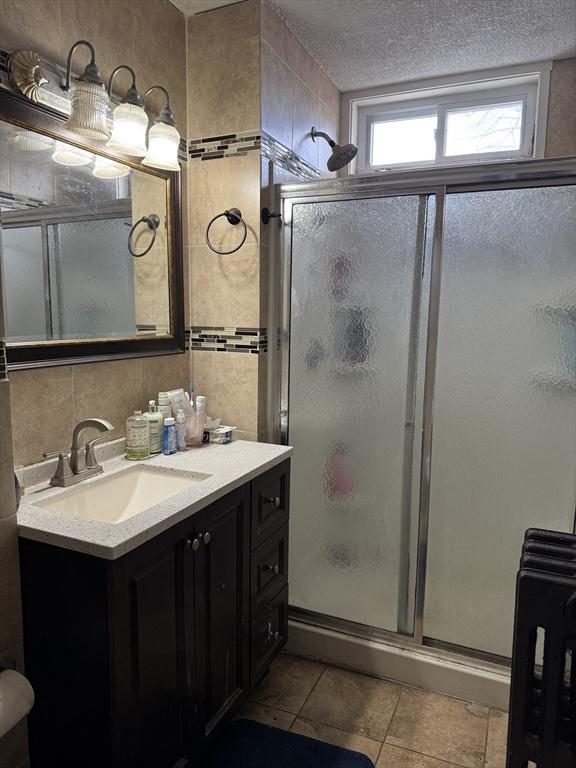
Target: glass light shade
column 163, row 142
column 29, row 141
column 104, row 168
column 89, row 111
column 129, row 130
column 65, row 154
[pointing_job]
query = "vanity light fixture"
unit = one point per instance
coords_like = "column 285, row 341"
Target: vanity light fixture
column 88, row 99
column 67, row 154
column 163, row 138
column 130, row 119
column 105, row 168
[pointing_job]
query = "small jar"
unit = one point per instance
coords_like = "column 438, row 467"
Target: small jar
column 169, row 445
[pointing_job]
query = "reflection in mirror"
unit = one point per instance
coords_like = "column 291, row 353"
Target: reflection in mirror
column 65, row 218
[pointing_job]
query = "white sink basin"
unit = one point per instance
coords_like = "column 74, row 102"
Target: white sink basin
column 120, row 496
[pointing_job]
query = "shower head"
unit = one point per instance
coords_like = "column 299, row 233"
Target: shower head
column 341, row 154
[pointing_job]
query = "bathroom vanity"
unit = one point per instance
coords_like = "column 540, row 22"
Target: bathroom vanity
column 143, row 636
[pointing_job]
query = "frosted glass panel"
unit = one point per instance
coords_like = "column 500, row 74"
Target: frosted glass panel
column 504, row 450
column 355, row 275
column 94, row 273
column 25, row 309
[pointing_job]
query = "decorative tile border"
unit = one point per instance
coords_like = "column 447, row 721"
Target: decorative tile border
column 227, row 339
column 144, row 329
column 11, row 202
column 287, row 159
column 227, row 145
column 3, row 361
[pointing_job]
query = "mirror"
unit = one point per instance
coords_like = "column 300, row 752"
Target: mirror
column 68, row 218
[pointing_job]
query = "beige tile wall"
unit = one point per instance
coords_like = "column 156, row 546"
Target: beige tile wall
column 151, row 275
column 48, row 402
column 561, row 128
column 224, row 97
column 224, row 70
column 296, row 93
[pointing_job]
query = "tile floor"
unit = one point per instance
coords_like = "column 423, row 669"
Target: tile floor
column 396, row 726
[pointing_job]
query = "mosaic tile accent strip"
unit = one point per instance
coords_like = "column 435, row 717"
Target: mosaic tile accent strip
column 287, row 159
column 227, row 145
column 3, row 360
column 11, row 202
column 228, row 339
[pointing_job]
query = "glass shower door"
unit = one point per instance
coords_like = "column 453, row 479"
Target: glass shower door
column 504, row 447
column 355, row 317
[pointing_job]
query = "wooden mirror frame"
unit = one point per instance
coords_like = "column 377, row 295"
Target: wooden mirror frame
column 19, row 111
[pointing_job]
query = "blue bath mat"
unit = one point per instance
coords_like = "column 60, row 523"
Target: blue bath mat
column 247, row 744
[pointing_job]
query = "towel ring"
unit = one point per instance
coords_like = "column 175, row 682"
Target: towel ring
column 153, row 222
column 234, row 217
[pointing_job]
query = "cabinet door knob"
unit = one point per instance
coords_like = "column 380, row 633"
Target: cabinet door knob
column 273, row 500
column 274, row 568
column 206, row 537
column 193, row 544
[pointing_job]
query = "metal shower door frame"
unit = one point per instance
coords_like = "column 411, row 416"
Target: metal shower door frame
column 436, row 183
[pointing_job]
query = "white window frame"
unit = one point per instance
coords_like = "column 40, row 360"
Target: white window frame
column 529, row 84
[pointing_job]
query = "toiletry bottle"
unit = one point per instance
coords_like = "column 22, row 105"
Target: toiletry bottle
column 191, row 388
column 200, row 419
column 169, row 436
column 164, row 406
column 156, row 421
column 181, row 430
column 137, row 437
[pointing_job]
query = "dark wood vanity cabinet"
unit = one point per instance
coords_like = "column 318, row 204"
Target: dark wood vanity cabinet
column 137, row 661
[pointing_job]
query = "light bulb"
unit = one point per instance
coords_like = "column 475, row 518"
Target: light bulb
column 29, row 141
column 129, row 130
column 66, row 154
column 163, row 143
column 88, row 110
column 104, row 168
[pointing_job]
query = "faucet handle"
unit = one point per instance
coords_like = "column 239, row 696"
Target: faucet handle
column 91, row 462
column 63, row 470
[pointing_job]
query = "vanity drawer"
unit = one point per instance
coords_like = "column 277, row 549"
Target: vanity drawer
column 269, row 569
column 270, row 502
column 269, row 634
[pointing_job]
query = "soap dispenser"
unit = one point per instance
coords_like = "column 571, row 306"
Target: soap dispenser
column 137, row 437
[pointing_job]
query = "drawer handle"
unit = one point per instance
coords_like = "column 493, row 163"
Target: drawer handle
column 273, row 500
column 206, row 537
column 271, row 636
column 274, row 568
column 193, row 544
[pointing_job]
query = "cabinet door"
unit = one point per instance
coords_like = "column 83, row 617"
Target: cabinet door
column 221, row 597
column 146, row 659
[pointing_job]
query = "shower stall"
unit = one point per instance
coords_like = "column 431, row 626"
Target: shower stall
column 427, row 381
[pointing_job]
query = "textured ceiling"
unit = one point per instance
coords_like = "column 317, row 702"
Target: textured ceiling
column 361, row 43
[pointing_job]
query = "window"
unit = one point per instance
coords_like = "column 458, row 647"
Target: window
column 476, row 121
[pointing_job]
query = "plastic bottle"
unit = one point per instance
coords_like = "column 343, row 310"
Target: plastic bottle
column 164, row 406
column 181, row 430
column 156, row 421
column 200, row 420
column 137, row 437
column 169, row 445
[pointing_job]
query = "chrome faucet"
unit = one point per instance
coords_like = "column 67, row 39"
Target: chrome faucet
column 81, row 463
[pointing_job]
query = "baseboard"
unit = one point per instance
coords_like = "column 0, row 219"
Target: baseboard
column 464, row 679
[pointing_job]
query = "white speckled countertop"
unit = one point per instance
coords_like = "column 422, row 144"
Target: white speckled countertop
column 230, row 466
